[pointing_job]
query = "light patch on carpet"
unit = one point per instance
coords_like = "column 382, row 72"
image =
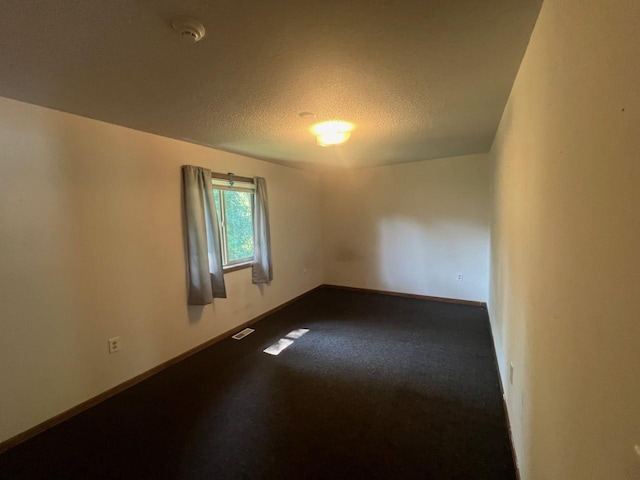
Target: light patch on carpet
column 278, row 347
column 297, row 333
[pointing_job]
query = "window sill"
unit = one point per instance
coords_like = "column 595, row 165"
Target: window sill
column 239, row 266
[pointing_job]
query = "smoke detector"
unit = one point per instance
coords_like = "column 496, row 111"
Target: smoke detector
column 189, row 29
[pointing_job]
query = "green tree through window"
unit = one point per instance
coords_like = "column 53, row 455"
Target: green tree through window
column 235, row 214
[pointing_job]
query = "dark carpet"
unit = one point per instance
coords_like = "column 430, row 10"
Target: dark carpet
column 380, row 387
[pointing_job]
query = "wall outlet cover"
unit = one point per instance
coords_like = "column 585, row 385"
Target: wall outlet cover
column 114, row 344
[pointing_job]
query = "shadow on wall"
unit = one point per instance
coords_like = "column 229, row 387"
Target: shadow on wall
column 411, row 227
column 415, row 257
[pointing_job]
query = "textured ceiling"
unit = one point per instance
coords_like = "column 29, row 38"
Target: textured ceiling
column 420, row 79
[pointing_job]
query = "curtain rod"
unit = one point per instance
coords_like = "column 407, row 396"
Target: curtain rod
column 231, row 177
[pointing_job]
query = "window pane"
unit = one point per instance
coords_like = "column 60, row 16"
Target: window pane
column 223, row 246
column 216, row 196
column 239, row 224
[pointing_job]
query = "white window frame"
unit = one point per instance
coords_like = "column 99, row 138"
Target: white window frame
column 234, row 186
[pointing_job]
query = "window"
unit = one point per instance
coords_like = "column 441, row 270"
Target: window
column 234, row 205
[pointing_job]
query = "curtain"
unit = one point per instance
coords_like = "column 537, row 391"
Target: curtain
column 204, row 257
column 262, row 268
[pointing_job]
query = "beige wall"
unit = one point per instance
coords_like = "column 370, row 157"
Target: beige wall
column 410, row 228
column 91, row 247
column 565, row 276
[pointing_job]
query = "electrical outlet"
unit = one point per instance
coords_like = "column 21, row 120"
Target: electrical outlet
column 114, row 344
column 460, row 277
column 511, row 373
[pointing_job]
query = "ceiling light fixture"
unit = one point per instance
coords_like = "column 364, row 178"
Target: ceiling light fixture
column 333, row 132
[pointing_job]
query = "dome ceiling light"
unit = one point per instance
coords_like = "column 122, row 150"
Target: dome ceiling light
column 333, row 132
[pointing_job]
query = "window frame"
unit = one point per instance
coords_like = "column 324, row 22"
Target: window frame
column 227, row 183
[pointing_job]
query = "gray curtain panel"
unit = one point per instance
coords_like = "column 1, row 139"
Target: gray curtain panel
column 262, row 267
column 204, row 255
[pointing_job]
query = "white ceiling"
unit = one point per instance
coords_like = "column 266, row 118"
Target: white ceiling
column 420, row 79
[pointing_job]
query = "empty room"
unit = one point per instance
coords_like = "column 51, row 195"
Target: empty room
column 356, row 239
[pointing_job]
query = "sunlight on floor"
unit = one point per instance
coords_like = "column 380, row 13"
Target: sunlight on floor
column 297, row 333
column 283, row 343
column 278, row 347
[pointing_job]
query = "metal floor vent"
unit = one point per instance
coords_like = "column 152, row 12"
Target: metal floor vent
column 243, row 333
